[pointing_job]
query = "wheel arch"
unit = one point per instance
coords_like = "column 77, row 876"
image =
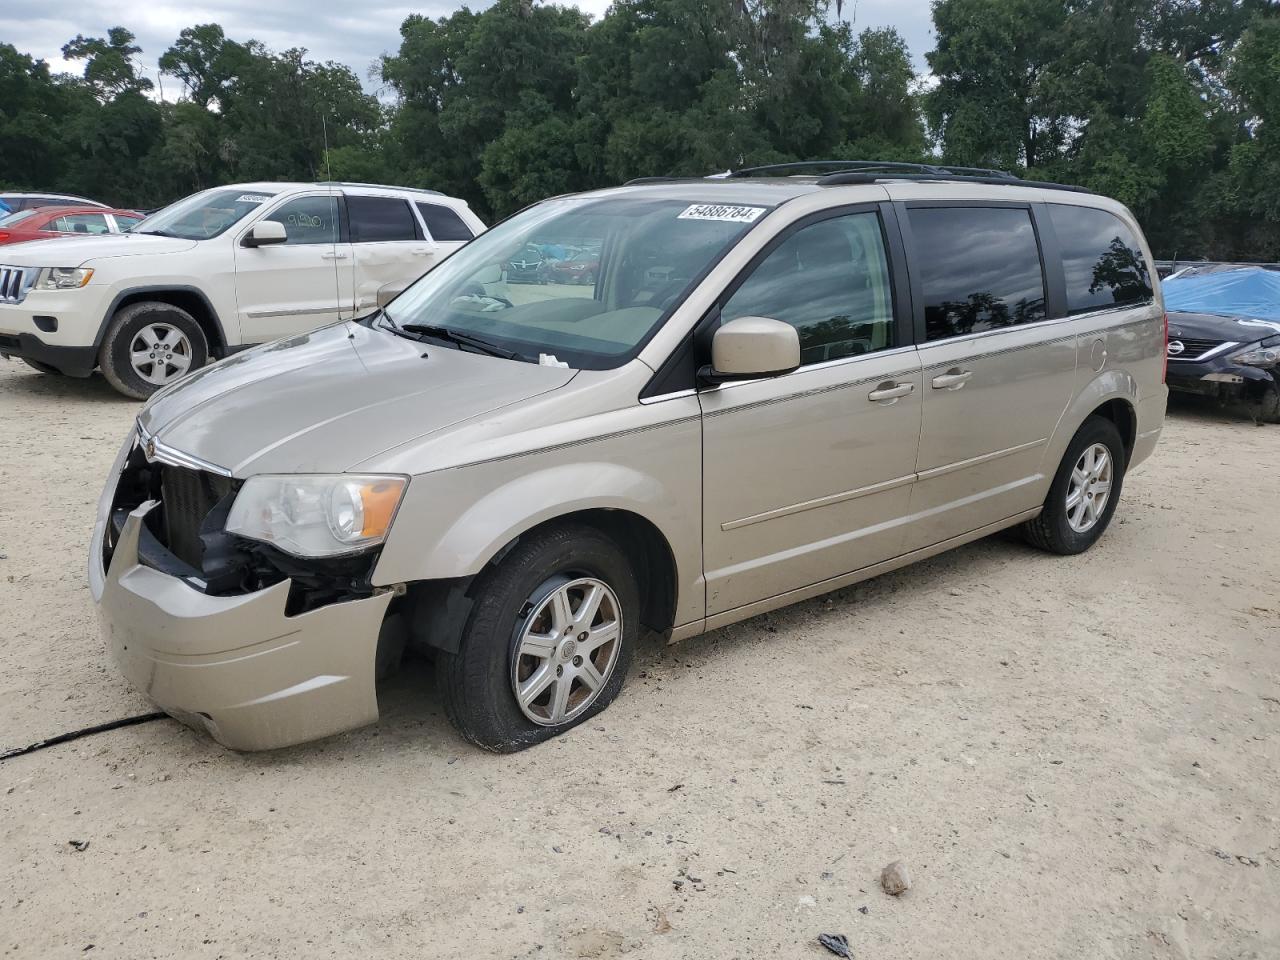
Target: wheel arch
column 191, row 299
column 1113, row 395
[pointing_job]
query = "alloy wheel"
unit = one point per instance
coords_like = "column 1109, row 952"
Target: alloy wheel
column 1089, row 489
column 566, row 648
column 160, row 353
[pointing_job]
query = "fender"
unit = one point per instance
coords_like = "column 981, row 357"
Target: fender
column 461, row 544
column 1107, row 385
column 158, row 288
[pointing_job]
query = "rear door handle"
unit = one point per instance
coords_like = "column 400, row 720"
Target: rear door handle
column 890, row 391
column 953, row 379
column 422, row 251
column 333, row 256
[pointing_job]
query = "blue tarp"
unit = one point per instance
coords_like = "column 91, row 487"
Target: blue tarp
column 1248, row 292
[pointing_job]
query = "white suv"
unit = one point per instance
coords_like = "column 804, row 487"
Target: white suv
column 216, row 272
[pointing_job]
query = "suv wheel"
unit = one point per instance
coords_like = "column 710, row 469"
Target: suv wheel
column 149, row 345
column 548, row 642
column 1084, row 492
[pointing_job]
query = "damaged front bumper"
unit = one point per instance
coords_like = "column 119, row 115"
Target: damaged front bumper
column 236, row 666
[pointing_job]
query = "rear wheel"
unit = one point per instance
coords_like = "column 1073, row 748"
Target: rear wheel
column 548, row 642
column 42, row 367
column 149, row 345
column 1084, row 493
column 1269, row 405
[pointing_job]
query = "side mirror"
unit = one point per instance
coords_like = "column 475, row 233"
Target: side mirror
column 389, row 291
column 751, row 347
column 264, row 233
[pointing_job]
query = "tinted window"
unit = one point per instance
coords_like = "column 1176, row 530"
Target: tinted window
column 829, row 280
column 380, row 218
column 1101, row 258
column 80, row 223
column 126, row 223
column 443, row 224
column 979, row 269
column 308, row 220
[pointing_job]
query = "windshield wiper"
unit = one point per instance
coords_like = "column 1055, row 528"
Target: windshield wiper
column 461, row 339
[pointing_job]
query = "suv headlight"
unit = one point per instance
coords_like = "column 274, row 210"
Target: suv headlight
column 1264, row 354
column 310, row 515
column 62, row 278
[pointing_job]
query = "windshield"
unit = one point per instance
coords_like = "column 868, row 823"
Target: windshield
column 584, row 280
column 203, row 215
column 11, row 219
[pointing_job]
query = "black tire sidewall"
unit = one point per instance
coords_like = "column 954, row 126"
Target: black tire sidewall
column 114, row 357
column 1094, row 430
column 482, row 703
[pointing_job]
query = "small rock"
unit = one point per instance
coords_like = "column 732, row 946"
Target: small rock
column 864, row 910
column 895, row 878
column 79, row 846
column 1248, row 861
column 836, row 943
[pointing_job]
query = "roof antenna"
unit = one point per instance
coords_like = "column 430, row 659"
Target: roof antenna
column 324, row 132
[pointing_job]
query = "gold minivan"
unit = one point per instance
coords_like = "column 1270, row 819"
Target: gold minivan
column 768, row 386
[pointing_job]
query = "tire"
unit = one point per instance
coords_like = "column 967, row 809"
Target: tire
column 516, row 598
column 139, row 323
column 42, row 367
column 1054, row 529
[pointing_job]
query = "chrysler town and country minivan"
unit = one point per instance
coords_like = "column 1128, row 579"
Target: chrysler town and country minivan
column 775, row 386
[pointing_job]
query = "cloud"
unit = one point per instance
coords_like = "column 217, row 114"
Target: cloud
column 356, row 35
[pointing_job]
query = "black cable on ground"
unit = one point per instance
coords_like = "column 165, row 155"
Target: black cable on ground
column 77, row 734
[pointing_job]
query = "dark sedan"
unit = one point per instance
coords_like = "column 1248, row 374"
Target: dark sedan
column 527, row 266
column 1228, row 346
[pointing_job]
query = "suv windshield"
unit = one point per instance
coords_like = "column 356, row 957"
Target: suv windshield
column 586, row 280
column 203, row 215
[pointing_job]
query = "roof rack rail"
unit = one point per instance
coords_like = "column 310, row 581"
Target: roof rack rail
column 1001, row 179
column 639, row 180
column 866, row 165
column 386, row 186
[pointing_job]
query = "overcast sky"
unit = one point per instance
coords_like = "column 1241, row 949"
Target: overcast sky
column 352, row 33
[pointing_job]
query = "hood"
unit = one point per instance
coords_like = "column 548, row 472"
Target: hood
column 329, row 399
column 76, row 251
column 1208, row 326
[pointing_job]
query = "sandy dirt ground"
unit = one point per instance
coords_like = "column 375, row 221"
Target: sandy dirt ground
column 1077, row 758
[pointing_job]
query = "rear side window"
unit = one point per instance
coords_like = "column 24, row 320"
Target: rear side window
column 377, row 219
column 80, row 223
column 1101, row 258
column 979, row 269
column 443, row 224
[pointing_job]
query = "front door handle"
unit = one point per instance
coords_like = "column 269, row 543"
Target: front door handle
column 333, row 255
column 953, row 379
column 890, row 391
column 422, row 251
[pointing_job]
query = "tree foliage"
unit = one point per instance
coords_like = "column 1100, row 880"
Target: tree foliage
column 1171, row 106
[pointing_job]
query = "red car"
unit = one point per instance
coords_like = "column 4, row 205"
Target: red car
column 41, row 223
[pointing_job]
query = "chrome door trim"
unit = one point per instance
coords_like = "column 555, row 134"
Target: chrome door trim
column 974, row 461
column 819, row 502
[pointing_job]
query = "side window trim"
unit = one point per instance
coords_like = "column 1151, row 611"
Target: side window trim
column 902, row 207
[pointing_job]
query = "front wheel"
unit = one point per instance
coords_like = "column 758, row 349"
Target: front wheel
column 1084, row 493
column 148, row 346
column 548, row 642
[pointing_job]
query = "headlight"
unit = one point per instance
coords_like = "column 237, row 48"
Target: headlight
column 317, row 516
column 62, row 278
column 1264, row 354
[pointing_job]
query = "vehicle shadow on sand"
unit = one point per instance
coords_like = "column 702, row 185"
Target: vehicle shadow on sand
column 30, row 384
column 413, row 720
column 1189, row 406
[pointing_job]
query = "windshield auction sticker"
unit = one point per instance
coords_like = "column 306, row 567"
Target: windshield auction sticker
column 252, row 198
column 718, row 211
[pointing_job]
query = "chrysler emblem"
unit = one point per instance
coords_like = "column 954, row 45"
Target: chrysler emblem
column 1176, row 347
column 150, row 450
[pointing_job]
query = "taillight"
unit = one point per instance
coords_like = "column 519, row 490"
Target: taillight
column 1164, row 372
column 4, row 236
